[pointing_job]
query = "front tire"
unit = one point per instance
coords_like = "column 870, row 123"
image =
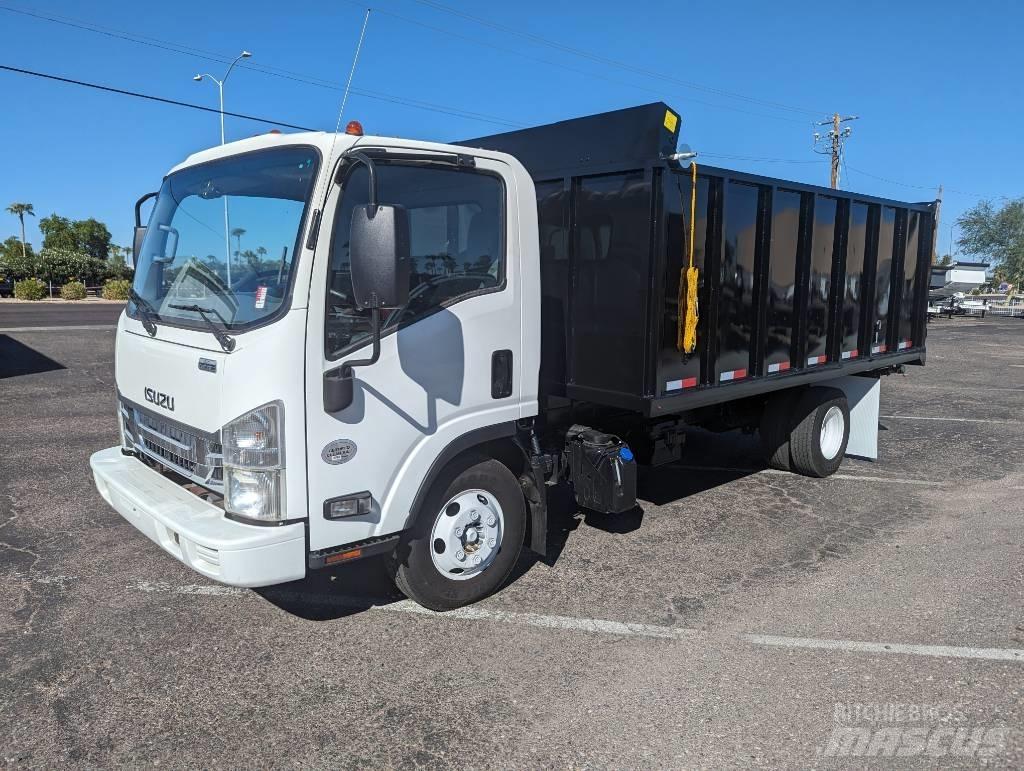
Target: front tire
column 466, row 538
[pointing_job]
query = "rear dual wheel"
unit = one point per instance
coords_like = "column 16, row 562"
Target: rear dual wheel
column 807, row 432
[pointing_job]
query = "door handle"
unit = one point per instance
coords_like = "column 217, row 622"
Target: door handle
column 501, row 374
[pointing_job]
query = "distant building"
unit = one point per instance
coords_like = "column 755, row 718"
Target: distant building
column 957, row 277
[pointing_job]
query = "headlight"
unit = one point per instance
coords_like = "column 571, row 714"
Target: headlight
column 253, row 447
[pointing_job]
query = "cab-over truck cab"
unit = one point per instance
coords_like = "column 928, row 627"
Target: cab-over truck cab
column 254, row 445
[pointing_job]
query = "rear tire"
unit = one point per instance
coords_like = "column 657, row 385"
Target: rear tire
column 777, row 422
column 473, row 502
column 818, row 442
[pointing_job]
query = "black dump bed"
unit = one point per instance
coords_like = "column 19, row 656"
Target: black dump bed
column 797, row 283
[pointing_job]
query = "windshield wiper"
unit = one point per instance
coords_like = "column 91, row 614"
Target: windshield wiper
column 146, row 310
column 227, row 342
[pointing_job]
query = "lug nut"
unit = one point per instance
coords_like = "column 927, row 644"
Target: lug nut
column 492, row 521
column 458, row 532
column 476, row 560
column 491, row 542
column 460, row 555
column 476, row 516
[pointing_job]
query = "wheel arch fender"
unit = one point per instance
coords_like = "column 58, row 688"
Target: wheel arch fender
column 501, row 442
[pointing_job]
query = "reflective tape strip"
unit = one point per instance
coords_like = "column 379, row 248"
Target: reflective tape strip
column 734, row 374
column 878, row 348
column 782, row 366
column 812, row 360
column 851, row 354
column 676, row 385
column 903, row 345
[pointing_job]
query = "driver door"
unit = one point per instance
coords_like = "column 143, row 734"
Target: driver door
column 433, row 380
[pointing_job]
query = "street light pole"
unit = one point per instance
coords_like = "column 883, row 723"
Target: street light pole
column 220, row 89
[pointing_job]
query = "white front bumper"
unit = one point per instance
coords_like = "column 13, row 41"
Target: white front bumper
column 196, row 532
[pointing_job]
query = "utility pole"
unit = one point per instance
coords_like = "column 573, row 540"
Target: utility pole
column 834, row 142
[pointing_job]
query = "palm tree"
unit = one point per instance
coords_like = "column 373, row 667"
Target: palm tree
column 19, row 210
column 238, row 233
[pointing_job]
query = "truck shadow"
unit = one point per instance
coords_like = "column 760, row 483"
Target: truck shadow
column 335, row 592
column 18, row 359
column 344, row 590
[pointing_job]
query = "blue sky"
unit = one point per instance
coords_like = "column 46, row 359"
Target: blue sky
column 936, row 84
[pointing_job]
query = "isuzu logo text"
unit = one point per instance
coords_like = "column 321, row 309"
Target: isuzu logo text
column 160, row 400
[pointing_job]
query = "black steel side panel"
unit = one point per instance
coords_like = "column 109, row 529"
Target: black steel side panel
column 798, row 282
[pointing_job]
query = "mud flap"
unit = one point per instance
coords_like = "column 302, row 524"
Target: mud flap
column 862, row 393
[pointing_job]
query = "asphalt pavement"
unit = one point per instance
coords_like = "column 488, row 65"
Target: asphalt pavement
column 744, row 617
column 48, row 313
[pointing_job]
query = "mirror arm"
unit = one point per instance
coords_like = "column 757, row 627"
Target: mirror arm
column 138, row 207
column 339, row 383
column 371, row 167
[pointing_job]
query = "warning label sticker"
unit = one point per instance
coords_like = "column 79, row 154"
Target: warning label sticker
column 671, row 120
column 261, row 297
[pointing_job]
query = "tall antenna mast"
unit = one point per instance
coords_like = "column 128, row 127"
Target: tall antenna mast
column 348, row 87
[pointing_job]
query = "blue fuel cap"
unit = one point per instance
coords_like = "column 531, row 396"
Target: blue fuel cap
column 626, row 454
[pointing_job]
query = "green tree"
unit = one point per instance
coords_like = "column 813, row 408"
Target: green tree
column 89, row 236
column 238, row 233
column 19, row 210
column 18, row 259
column 93, row 238
column 62, row 265
column 997, row 234
column 945, row 261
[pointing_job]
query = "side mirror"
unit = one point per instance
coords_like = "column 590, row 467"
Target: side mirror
column 140, row 229
column 379, row 251
column 140, row 236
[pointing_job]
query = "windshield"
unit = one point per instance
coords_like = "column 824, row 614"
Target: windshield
column 223, row 238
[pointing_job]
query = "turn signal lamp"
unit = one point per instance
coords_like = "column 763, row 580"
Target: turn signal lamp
column 355, row 128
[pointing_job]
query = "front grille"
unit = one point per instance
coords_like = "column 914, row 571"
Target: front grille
column 192, row 453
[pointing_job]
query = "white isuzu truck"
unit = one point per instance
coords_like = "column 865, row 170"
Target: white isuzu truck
column 343, row 345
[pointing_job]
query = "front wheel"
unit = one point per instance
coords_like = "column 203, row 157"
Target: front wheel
column 466, row 537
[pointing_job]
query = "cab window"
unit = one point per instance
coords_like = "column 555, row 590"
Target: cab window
column 457, row 245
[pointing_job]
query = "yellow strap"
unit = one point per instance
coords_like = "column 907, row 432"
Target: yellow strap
column 686, row 334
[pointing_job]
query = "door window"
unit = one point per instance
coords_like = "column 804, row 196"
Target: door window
column 457, row 245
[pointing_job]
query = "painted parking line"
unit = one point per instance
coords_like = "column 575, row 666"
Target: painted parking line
column 569, row 623
column 966, row 388
column 858, row 646
column 595, row 626
column 942, row 418
column 848, row 477
column 68, row 328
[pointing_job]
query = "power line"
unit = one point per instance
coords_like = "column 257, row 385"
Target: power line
column 660, row 93
column 703, row 154
column 380, row 96
column 298, row 77
column 582, row 53
column 928, row 187
column 275, row 72
column 150, row 97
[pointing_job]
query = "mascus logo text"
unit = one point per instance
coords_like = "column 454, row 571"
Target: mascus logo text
column 159, row 399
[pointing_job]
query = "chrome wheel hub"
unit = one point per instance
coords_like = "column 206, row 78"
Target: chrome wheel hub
column 466, row 536
column 832, row 429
